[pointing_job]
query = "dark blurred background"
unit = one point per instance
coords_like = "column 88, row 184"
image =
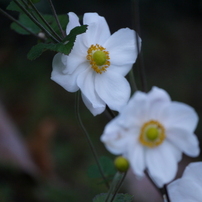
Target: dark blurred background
column 48, row 157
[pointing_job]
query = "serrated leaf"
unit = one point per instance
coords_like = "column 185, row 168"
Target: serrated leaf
column 119, row 198
column 107, row 167
column 29, row 24
column 74, row 32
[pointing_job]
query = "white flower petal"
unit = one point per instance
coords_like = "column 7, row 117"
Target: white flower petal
column 189, row 187
column 120, row 69
column 158, row 100
column 113, row 89
column 122, row 47
column 73, row 22
column 194, row 172
column 138, row 106
column 180, row 115
column 162, row 163
column 94, row 110
column 184, row 140
column 85, row 81
column 97, row 31
column 76, row 57
column 114, row 138
column 184, row 190
column 68, row 82
column 136, row 156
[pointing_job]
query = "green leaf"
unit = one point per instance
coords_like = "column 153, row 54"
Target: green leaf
column 25, row 20
column 64, row 47
column 14, row 7
column 107, row 167
column 74, row 32
column 118, row 198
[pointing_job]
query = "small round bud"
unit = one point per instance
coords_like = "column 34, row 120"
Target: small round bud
column 121, row 164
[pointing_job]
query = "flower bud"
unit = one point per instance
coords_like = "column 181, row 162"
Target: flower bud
column 121, row 164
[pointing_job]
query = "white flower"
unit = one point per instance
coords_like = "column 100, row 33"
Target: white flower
column 97, row 64
column 189, row 187
column 152, row 132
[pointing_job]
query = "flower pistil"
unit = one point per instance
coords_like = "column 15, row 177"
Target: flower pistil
column 152, row 134
column 98, row 58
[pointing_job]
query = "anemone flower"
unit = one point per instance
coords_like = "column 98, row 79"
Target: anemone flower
column 97, row 64
column 152, row 131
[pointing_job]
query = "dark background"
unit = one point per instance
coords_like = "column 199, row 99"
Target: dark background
column 43, row 112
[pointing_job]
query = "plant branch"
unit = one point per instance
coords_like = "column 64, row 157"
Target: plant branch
column 18, row 23
column 136, row 25
column 56, row 18
column 89, row 141
column 44, row 20
column 36, row 22
column 118, row 186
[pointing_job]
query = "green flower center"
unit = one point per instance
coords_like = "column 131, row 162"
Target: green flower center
column 152, row 134
column 99, row 57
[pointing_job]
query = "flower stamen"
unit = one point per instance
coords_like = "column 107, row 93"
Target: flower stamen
column 98, row 58
column 152, row 134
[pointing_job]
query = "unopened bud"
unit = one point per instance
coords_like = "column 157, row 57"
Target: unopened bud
column 121, row 164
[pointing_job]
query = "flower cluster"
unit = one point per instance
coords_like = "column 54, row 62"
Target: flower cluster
column 151, row 131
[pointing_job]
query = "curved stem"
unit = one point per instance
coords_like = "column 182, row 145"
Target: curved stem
column 89, row 141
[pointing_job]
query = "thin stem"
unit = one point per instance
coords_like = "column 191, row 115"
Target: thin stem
column 140, row 61
column 110, row 112
column 56, row 18
column 113, row 186
column 18, row 23
column 132, row 81
column 36, row 22
column 118, row 186
column 44, row 20
column 166, row 193
column 89, row 141
column 160, row 190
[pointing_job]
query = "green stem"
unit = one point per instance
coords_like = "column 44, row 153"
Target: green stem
column 140, row 61
column 132, row 81
column 118, row 186
column 162, row 191
column 36, row 22
column 115, row 185
column 56, row 18
column 44, row 20
column 111, row 113
column 18, row 23
column 89, row 141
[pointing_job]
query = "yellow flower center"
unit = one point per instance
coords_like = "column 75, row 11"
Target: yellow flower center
column 152, row 134
column 98, row 58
